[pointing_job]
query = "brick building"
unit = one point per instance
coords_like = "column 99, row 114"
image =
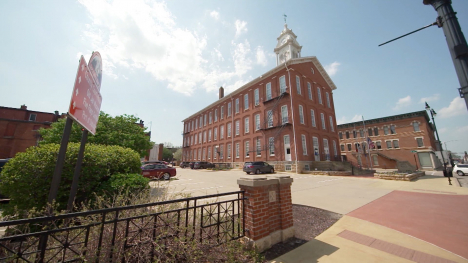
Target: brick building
column 285, row 117
column 19, row 128
column 406, row 137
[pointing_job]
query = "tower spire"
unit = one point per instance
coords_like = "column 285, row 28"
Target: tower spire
column 285, row 16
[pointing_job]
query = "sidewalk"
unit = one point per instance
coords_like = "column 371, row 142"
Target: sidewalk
column 420, row 221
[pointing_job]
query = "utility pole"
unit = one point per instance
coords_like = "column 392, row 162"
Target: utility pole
column 455, row 40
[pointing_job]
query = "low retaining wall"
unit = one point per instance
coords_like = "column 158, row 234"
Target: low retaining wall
column 329, row 173
column 399, row 176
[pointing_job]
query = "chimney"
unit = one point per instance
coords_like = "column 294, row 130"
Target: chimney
column 56, row 112
column 221, row 92
column 24, row 107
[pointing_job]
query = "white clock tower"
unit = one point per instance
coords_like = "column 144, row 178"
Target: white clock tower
column 287, row 46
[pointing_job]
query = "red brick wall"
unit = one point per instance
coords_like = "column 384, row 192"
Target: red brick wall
column 405, row 135
column 305, row 73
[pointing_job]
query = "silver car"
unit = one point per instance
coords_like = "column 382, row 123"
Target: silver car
column 461, row 169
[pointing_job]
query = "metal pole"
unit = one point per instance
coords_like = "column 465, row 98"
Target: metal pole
column 60, row 160
column 455, row 40
column 441, row 149
column 76, row 176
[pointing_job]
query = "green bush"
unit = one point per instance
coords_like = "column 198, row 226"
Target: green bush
column 124, row 183
column 26, row 178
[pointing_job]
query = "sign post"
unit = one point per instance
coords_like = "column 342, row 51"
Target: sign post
column 85, row 111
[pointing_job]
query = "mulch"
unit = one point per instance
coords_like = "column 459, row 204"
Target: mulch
column 309, row 222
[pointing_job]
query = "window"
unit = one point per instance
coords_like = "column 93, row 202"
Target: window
column 284, row 114
column 204, row 123
column 237, row 105
column 369, row 131
column 306, row 167
column 315, row 142
column 257, row 122
column 246, row 125
column 247, row 149
column 379, row 145
column 319, row 95
column 256, row 97
column 237, row 127
column 32, row 117
column 271, row 145
column 392, row 129
column 347, row 134
column 298, row 85
column 200, row 137
column 326, row 149
column 204, row 154
column 420, row 142
column 229, row 130
column 221, row 132
column 222, row 112
column 361, row 133
column 385, row 130
column 375, row 160
column 204, row 136
column 354, row 134
column 229, row 109
column 259, row 147
column 312, row 116
column 199, row 154
column 192, row 126
column 215, row 134
column 301, row 114
column 216, row 115
column 331, row 123
column 209, row 135
column 211, row 118
column 304, row 145
column 327, row 95
column 270, row 118
column 246, row 101
column 322, row 117
column 389, row 144
column 376, row 131
column 416, row 126
column 229, row 151
column 268, row 91
column 309, row 90
column 237, row 150
column 221, row 151
column 342, row 147
column 282, row 81
column 288, row 167
column 340, row 135
column 209, row 153
column 196, row 124
column 349, row 147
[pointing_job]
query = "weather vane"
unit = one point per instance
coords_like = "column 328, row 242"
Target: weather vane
column 285, row 16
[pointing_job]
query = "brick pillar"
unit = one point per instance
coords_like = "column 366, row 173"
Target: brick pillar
column 268, row 209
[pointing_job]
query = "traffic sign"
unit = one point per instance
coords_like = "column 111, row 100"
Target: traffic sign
column 85, row 103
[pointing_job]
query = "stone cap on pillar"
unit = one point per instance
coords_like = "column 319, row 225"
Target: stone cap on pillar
column 259, row 180
column 283, row 179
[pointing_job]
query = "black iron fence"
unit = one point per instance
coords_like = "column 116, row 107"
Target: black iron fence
column 139, row 233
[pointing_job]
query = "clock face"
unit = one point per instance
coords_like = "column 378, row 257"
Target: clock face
column 284, row 40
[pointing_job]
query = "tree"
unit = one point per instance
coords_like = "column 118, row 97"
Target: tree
column 121, row 130
column 178, row 154
column 167, row 154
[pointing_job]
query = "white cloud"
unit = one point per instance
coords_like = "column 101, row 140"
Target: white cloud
column 332, row 68
column 402, row 103
column 143, row 35
column 429, row 99
column 214, row 14
column 261, row 57
column 343, row 119
column 241, row 27
column 456, row 107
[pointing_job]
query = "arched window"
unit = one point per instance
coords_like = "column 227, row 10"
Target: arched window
column 416, row 126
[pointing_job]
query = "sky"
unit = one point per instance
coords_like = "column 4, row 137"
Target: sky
column 163, row 61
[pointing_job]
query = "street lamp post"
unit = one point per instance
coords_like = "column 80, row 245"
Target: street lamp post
column 433, row 113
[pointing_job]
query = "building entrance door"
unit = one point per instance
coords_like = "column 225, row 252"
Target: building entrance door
column 316, row 149
column 287, row 148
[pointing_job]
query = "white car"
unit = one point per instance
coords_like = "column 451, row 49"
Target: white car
column 461, row 169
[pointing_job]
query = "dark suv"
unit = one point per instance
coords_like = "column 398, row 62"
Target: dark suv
column 258, row 167
column 203, row 165
column 184, row 164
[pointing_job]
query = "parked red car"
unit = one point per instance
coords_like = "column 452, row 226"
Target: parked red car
column 158, row 171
